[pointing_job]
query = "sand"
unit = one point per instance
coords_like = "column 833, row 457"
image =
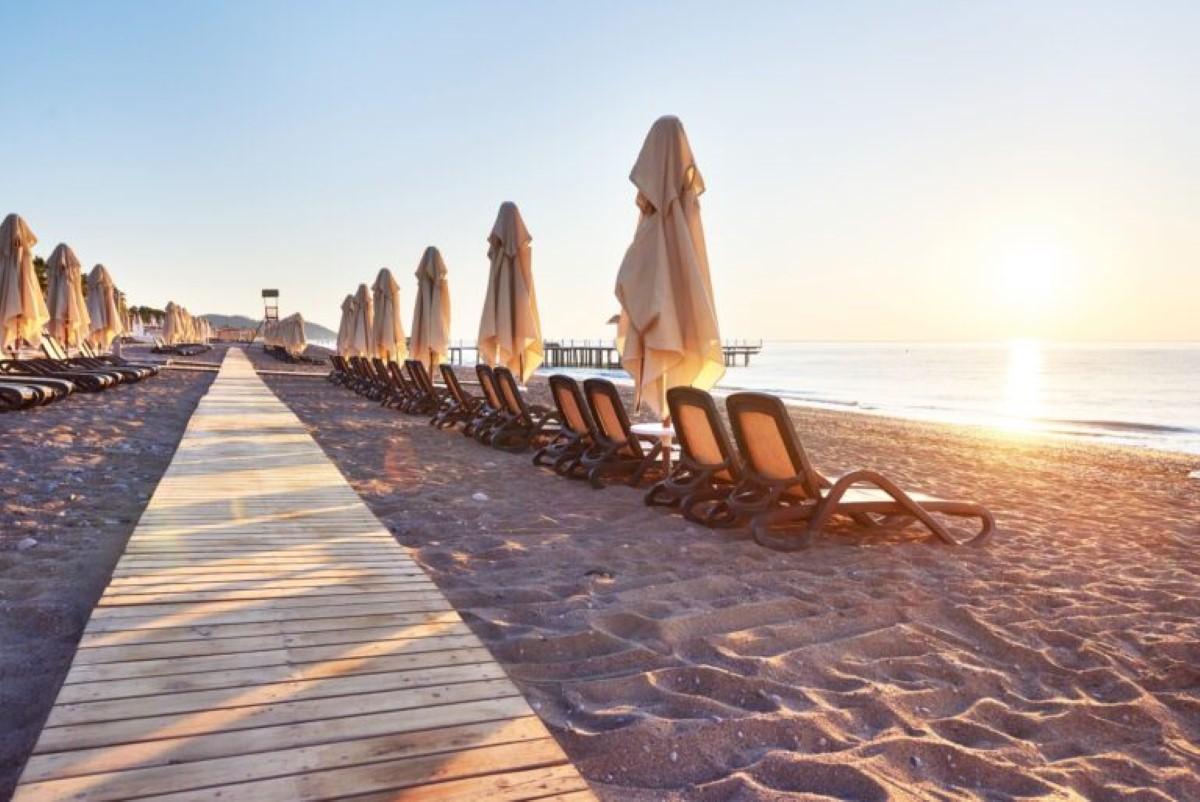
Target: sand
column 675, row 663
column 75, row 477
column 1058, row 661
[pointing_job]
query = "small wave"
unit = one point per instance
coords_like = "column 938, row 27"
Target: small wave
column 1119, row 426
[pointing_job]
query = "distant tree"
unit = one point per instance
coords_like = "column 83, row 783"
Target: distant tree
column 39, row 267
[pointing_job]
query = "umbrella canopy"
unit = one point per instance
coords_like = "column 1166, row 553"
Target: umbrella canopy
column 102, row 308
column 69, row 318
column 346, row 326
column 388, row 330
column 361, row 336
column 23, row 310
column 290, row 334
column 171, row 324
column 667, row 335
column 510, row 332
column 431, row 318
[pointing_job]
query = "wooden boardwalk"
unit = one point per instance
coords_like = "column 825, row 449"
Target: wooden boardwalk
column 265, row 638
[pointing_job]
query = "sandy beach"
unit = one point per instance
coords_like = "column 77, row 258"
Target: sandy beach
column 672, row 662
column 677, row 663
column 77, row 475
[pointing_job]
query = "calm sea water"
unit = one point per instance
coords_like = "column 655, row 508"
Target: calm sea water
column 1135, row 394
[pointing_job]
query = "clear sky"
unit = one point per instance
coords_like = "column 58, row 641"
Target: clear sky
column 902, row 170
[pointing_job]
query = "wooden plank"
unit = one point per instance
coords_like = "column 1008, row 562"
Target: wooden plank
column 390, row 776
column 210, row 646
column 92, row 640
column 265, row 637
column 175, row 615
column 294, row 691
column 178, row 751
column 101, row 690
column 266, row 657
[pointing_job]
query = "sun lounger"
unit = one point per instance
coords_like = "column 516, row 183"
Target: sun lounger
column 86, row 381
column 145, row 368
column 708, row 467
column 56, row 352
column 617, row 451
column 782, row 487
column 577, row 433
column 491, row 414
column 431, row 399
column 463, row 407
column 15, row 394
column 526, row 423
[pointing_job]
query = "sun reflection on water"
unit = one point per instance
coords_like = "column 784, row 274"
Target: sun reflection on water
column 1022, row 387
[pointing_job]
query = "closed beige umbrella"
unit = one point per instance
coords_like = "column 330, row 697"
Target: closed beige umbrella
column 667, row 335
column 69, row 319
column 431, row 317
column 510, row 332
column 170, row 324
column 345, row 327
column 362, row 334
column 290, row 332
column 102, row 308
column 23, row 310
column 388, row 329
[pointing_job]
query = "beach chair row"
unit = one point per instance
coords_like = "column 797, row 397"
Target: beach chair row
column 283, row 355
column 179, row 349
column 761, row 478
column 32, row 382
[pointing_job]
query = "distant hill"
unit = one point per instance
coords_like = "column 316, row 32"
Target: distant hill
column 312, row 331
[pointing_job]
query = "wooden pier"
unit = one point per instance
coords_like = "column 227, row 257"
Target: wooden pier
column 601, row 354
column 264, row 637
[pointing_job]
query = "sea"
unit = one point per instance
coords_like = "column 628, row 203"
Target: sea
column 1135, row 394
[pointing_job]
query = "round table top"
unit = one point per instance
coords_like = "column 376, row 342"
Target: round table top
column 653, row 429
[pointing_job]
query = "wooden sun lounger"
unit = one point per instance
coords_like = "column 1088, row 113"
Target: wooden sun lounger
column 782, row 487
column 577, row 433
column 145, row 368
column 85, row 381
column 55, row 351
column 431, row 399
column 464, row 407
column 15, row 395
column 708, row 468
column 526, row 423
column 617, row 451
column 493, row 414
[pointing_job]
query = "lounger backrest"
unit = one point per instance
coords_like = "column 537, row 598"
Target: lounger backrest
column 768, row 442
column 450, row 378
column 513, row 403
column 700, row 432
column 84, row 346
column 51, row 349
column 419, row 376
column 608, row 411
column 487, row 382
column 399, row 380
column 571, row 406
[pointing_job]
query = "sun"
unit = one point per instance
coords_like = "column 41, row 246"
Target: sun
column 1031, row 272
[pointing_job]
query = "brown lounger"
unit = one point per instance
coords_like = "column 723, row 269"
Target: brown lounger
column 578, row 433
column 708, row 468
column 432, row 399
column 493, row 414
column 782, row 486
column 463, row 407
column 526, row 422
column 617, row 451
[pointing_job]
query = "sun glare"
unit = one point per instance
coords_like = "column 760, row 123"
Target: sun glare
column 1030, row 272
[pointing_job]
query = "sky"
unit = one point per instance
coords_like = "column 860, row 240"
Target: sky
column 875, row 171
